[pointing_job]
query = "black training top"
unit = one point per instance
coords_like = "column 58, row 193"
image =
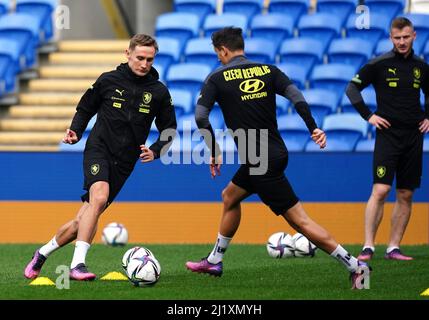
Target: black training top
column 246, row 92
column 126, row 105
column 397, row 82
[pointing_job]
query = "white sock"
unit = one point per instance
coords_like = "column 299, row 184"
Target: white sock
column 350, row 262
column 219, row 249
column 80, row 251
column 372, row 248
column 48, row 248
column 389, row 249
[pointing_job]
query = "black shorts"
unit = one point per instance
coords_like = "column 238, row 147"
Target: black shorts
column 273, row 187
column 398, row 152
column 105, row 168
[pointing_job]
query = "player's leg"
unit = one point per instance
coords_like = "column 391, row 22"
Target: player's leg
column 373, row 215
column 232, row 196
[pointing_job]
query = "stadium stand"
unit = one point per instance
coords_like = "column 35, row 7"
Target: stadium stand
column 200, row 50
column 200, row 7
column 369, row 97
column 295, row 72
column 383, row 46
column 365, row 145
column 4, row 6
column 378, row 28
column 261, row 50
column 341, row 8
column 293, row 131
column 344, row 51
column 249, row 8
column 274, row 27
column 322, row 102
column 169, row 52
column 294, row 8
column 215, row 22
column 419, row 6
column 389, row 8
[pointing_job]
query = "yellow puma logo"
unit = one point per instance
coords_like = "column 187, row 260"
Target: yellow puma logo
column 392, row 70
column 119, row 91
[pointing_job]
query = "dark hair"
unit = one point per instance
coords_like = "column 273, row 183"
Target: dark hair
column 230, row 37
column 400, row 23
column 143, row 40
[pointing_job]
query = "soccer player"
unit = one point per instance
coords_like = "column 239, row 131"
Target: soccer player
column 397, row 77
column 126, row 102
column 246, row 92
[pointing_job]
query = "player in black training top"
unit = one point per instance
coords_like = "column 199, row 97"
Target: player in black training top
column 245, row 91
column 397, row 77
column 126, row 102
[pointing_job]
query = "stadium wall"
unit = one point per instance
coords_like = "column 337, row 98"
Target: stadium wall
column 181, row 204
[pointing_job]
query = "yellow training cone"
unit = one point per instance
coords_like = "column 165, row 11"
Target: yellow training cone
column 42, row 281
column 425, row 293
column 114, row 276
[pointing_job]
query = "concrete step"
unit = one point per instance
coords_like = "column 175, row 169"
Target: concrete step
column 42, row 125
column 93, row 45
column 29, row 148
column 75, row 85
column 34, row 111
column 31, row 138
column 70, row 71
column 42, row 98
column 91, row 58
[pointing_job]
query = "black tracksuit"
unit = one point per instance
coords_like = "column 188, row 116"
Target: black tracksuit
column 126, row 105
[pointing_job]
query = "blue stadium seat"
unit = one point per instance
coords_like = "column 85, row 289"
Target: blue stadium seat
column 282, row 105
column 344, row 131
column 421, row 26
column 216, row 22
column 187, row 76
column 365, row 145
column 249, row 8
column 182, row 100
column 334, row 144
column 333, row 77
column 200, row 50
column 340, row 8
column 322, row 102
column 352, row 51
column 379, row 28
column 368, row 95
column 383, row 46
column 293, row 8
column 261, row 50
column 4, row 6
column 305, row 52
column 295, row 72
column 9, row 64
column 169, row 52
column 161, row 71
column 426, row 143
column 200, row 7
column 43, row 11
column 293, row 131
column 389, row 8
column 275, row 27
column 24, row 30
column 216, row 118
column 171, row 25
column 320, row 26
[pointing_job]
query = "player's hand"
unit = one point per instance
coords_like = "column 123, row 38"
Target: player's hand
column 215, row 164
column 424, row 126
column 70, row 137
column 146, row 155
column 379, row 122
column 319, row 137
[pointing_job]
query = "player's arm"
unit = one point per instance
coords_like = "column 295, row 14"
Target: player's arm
column 85, row 110
column 424, row 124
column 202, row 111
column 166, row 124
column 353, row 91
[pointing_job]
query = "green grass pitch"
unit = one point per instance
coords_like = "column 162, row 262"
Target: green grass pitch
column 249, row 273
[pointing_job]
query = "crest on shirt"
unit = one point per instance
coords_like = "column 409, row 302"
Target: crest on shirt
column 416, row 73
column 381, row 171
column 147, row 97
column 95, row 168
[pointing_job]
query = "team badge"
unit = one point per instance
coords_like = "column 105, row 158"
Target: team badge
column 381, row 171
column 416, row 73
column 147, row 97
column 95, row 168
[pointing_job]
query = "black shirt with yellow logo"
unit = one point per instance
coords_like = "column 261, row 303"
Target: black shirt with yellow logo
column 126, row 106
column 246, row 93
column 397, row 81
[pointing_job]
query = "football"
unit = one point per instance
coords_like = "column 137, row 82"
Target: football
column 141, row 266
column 115, row 234
column 280, row 245
column 303, row 247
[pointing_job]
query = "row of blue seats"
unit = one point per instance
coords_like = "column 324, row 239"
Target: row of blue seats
column 21, row 34
column 294, row 8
